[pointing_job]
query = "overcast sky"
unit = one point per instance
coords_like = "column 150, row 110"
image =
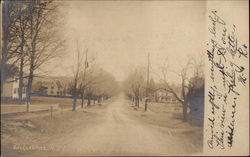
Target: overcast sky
column 120, row 34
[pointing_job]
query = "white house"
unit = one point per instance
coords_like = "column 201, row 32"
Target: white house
column 10, row 89
column 15, row 89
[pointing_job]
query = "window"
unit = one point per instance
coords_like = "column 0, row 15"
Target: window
column 52, row 92
column 15, row 90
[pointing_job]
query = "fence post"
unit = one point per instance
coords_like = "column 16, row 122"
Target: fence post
column 146, row 104
column 28, row 106
column 51, row 111
column 61, row 109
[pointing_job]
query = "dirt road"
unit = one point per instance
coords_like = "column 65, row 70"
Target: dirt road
column 114, row 132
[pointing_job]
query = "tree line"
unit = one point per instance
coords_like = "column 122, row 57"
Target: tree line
column 31, row 37
column 90, row 81
column 190, row 74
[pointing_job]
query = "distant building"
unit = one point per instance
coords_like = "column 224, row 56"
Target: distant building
column 50, row 87
column 162, row 95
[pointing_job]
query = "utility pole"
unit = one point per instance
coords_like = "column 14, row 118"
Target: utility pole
column 86, row 59
column 146, row 100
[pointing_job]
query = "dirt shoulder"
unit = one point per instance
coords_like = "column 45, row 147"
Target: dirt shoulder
column 27, row 132
column 164, row 118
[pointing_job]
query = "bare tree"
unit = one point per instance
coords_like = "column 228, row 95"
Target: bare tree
column 198, row 65
column 135, row 85
column 90, row 85
column 14, row 15
column 183, row 75
column 84, row 78
column 8, row 18
column 77, row 71
column 95, row 84
column 187, row 80
column 87, row 79
column 22, row 28
column 43, row 39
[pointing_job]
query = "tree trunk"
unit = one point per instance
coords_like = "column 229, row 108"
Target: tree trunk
column 82, row 101
column 75, row 95
column 146, row 105
column 74, row 103
column 137, row 101
column 20, row 86
column 184, row 105
column 29, row 88
column 88, row 104
column 31, row 68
